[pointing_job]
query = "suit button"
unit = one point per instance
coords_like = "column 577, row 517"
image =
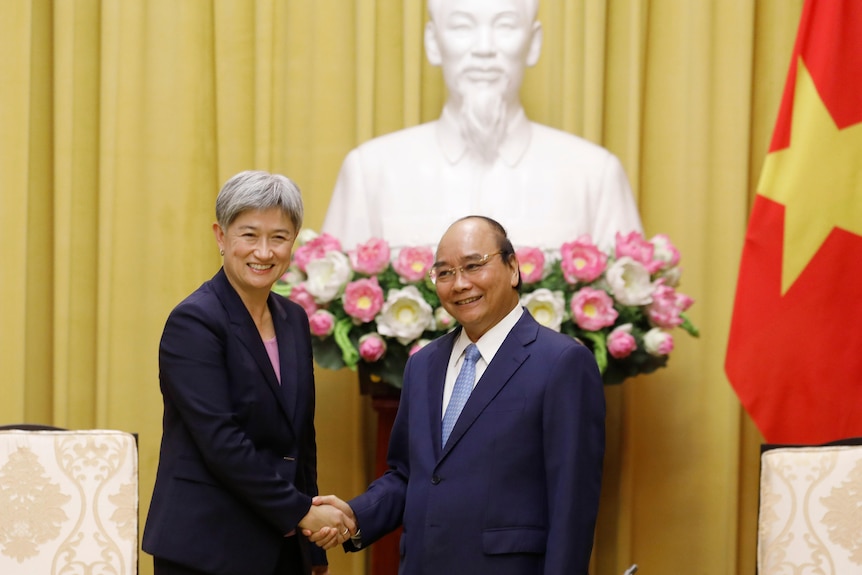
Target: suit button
column 435, row 480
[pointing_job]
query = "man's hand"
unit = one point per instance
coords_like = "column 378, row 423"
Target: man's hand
column 327, row 537
column 339, row 504
column 327, row 525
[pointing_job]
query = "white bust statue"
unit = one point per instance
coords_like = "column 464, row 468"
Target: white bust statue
column 482, row 156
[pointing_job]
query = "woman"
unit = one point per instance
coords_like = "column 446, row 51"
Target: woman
column 238, row 462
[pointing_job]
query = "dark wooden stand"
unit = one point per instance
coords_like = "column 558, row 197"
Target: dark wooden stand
column 385, row 554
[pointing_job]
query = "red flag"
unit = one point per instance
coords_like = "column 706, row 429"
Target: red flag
column 794, row 355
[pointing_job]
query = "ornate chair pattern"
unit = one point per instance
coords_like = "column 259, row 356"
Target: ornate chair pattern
column 68, row 502
column 810, row 516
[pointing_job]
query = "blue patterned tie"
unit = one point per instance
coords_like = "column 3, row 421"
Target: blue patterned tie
column 461, row 391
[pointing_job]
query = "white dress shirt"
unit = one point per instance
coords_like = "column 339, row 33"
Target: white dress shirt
column 488, row 346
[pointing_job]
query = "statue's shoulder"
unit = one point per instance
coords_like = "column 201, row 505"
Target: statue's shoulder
column 418, row 137
column 565, row 143
column 396, row 152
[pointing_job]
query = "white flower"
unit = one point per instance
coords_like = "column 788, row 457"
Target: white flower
column 658, row 342
column 546, row 307
column 405, row 315
column 305, row 236
column 443, row 321
column 327, row 276
column 630, row 282
column 293, row 276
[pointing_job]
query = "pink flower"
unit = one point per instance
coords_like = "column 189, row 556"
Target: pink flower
column 413, row 263
column 315, row 249
column 581, row 260
column 363, row 299
column 637, row 248
column 321, row 323
column 665, row 252
column 300, row 295
column 532, row 264
column 593, row 309
column 666, row 307
column 420, row 343
column 371, row 347
column 658, row 342
column 370, row 258
column 621, row 342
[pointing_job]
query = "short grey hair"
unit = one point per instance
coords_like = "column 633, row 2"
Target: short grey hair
column 532, row 8
column 258, row 190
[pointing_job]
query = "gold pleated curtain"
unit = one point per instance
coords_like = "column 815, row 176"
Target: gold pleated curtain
column 120, row 119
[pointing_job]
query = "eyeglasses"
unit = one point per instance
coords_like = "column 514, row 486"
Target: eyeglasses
column 446, row 275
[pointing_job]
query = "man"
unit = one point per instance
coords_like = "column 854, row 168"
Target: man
column 483, row 155
column 514, row 488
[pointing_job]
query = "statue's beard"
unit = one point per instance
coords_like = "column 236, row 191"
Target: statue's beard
column 482, row 121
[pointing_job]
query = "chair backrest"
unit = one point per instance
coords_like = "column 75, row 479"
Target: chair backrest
column 810, row 516
column 68, row 502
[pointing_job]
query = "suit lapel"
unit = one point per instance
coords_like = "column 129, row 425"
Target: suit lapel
column 511, row 355
column 246, row 332
column 287, row 346
column 436, row 374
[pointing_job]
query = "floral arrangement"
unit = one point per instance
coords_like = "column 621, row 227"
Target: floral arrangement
column 366, row 306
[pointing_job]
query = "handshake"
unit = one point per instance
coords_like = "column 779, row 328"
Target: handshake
column 329, row 522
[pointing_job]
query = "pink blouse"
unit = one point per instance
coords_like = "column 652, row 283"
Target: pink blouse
column 272, row 351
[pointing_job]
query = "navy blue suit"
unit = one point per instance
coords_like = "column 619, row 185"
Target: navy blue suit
column 238, row 462
column 516, row 489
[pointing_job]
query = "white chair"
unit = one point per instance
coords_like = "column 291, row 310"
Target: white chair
column 810, row 516
column 68, row 502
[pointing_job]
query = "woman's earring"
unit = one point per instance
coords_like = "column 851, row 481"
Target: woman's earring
column 221, row 252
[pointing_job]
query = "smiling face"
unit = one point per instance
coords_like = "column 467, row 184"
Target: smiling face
column 483, row 45
column 257, row 247
column 481, row 299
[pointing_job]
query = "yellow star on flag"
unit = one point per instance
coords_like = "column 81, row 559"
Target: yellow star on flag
column 818, row 178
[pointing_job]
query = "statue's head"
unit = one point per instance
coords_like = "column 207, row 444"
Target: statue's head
column 483, row 45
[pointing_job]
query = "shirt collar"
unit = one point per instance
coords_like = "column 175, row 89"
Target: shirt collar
column 489, row 344
column 512, row 149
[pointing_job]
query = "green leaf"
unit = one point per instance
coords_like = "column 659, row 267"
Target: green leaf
column 599, row 348
column 637, row 363
column 688, row 326
column 341, row 335
column 326, row 353
column 282, row 288
column 392, row 366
